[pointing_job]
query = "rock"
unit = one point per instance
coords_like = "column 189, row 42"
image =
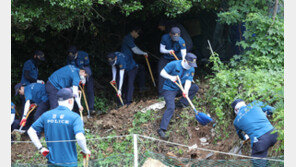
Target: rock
column 153, row 163
column 203, row 139
column 155, row 107
column 171, row 154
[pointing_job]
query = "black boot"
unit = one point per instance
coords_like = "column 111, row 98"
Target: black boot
column 162, row 135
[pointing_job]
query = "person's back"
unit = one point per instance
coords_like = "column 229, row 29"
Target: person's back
column 31, row 69
column 60, row 124
column 252, row 120
column 36, row 92
column 64, row 77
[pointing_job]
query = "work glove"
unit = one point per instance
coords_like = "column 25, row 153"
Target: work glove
column 44, row 151
column 81, row 108
column 119, row 92
column 85, row 152
column 113, row 82
column 145, row 54
column 246, row 137
column 23, row 122
column 185, row 93
column 82, row 80
column 173, row 78
column 40, row 81
column 80, row 83
column 171, row 52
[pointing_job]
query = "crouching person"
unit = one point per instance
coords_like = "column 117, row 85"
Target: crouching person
column 252, row 120
column 60, row 124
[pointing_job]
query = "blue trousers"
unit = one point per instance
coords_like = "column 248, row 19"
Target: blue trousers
column 161, row 64
column 52, row 95
column 128, row 85
column 90, row 92
column 169, row 97
column 140, row 77
column 260, row 148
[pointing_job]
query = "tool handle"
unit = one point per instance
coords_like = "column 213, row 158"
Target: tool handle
column 188, row 99
column 117, row 93
column 175, row 56
column 85, row 100
column 148, row 64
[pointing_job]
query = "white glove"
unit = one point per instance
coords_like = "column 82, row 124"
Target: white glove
column 86, row 151
column 173, row 78
column 44, row 151
column 246, row 137
column 83, row 80
column 171, row 52
column 40, row 81
column 119, row 93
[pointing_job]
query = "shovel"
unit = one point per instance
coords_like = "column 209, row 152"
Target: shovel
column 236, row 149
column 115, row 87
column 20, row 130
column 175, row 56
column 148, row 64
column 85, row 160
column 85, row 101
column 202, row 118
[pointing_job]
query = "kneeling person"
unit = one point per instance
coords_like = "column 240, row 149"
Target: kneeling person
column 60, row 124
column 185, row 70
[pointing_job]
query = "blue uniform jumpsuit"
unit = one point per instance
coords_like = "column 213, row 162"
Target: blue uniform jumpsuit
column 166, row 58
column 29, row 75
column 36, row 93
column 82, row 60
column 121, row 65
column 131, row 67
column 171, row 90
column 252, row 120
column 126, row 48
column 65, row 77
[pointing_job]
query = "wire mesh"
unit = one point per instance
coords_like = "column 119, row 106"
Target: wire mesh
column 119, row 151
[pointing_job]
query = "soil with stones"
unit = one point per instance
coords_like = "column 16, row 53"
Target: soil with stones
column 120, row 120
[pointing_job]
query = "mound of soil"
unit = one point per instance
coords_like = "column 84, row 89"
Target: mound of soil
column 120, row 121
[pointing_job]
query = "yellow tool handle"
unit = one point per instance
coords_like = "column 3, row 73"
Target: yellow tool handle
column 175, row 56
column 148, row 64
column 29, row 114
column 117, row 93
column 85, row 160
column 83, row 93
column 182, row 89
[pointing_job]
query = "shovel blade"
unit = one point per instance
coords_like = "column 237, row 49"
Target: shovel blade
column 203, row 119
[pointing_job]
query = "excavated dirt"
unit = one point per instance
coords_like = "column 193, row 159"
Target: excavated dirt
column 120, row 121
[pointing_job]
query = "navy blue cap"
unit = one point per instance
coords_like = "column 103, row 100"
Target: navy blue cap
column 175, row 30
column 72, row 49
column 233, row 104
column 175, row 33
column 111, row 58
column 191, row 59
column 17, row 88
column 65, row 94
